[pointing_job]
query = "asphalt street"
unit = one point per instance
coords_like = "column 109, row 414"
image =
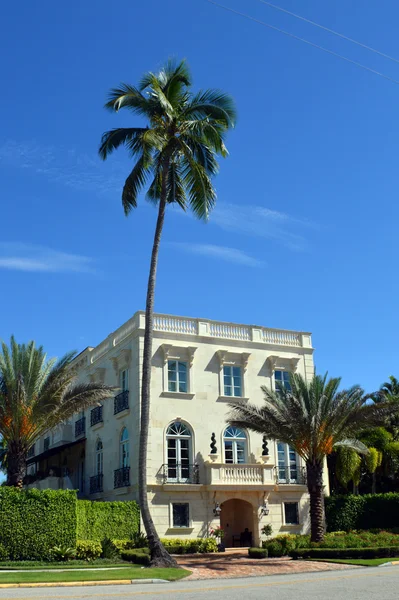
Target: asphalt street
column 355, row 584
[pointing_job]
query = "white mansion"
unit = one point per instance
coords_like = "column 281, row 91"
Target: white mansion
column 201, row 472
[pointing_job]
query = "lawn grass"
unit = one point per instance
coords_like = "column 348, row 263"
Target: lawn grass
column 135, row 572
column 363, row 562
column 64, row 565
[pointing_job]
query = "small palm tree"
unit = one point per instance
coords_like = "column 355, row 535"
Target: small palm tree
column 177, row 152
column 313, row 418
column 389, row 392
column 36, row 395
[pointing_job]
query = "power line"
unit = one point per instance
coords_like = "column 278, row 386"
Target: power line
column 344, row 37
column 295, row 37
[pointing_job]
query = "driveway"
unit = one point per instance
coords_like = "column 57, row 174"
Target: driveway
column 232, row 564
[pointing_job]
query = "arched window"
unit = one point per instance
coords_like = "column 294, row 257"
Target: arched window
column 235, row 446
column 124, row 448
column 179, row 448
column 99, row 458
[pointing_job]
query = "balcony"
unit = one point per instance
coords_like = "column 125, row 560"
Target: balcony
column 80, row 427
column 96, row 415
column 121, row 402
column 257, row 475
column 46, row 444
column 290, row 475
column 122, row 477
column 179, row 473
column 96, row 483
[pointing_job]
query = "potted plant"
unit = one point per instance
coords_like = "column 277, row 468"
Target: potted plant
column 218, row 533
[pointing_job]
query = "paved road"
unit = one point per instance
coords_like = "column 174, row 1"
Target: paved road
column 357, row 584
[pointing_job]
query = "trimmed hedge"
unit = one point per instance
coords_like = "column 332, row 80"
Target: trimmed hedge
column 88, row 549
column 372, row 511
column 190, row 546
column 140, row 556
column 258, row 553
column 32, row 522
column 99, row 520
column 387, row 552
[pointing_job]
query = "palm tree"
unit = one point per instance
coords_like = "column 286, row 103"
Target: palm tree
column 389, row 392
column 313, row 418
column 36, row 395
column 3, row 456
column 177, row 150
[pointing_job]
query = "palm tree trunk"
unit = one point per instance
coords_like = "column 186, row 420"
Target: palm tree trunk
column 16, row 464
column 159, row 556
column 314, row 472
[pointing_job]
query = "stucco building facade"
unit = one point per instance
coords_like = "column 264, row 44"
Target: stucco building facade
column 201, row 473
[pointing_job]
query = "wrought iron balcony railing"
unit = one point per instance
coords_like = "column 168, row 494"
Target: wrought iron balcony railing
column 122, row 477
column 46, row 444
column 179, row 473
column 96, row 483
column 290, row 475
column 80, row 427
column 96, row 415
column 121, row 402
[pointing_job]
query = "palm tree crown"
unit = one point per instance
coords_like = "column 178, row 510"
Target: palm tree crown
column 313, row 418
column 178, row 147
column 36, row 395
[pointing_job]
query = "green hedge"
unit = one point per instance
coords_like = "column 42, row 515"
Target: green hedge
column 33, row 521
column 372, row 511
column 140, row 556
column 258, row 552
column 190, row 546
column 387, row 552
column 99, row 520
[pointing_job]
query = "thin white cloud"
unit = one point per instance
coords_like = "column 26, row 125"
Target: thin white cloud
column 16, row 256
column 64, row 166
column 232, row 255
column 262, row 222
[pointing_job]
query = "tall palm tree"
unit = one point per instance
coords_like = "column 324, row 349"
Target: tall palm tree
column 177, row 151
column 389, row 392
column 313, row 418
column 36, row 395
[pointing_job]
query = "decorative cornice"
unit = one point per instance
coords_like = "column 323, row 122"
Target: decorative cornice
column 272, row 361
column 294, row 364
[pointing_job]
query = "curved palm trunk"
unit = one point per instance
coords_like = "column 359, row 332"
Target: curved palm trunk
column 16, row 464
column 314, row 473
column 159, row 556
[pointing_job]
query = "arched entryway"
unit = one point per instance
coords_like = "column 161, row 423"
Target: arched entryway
column 236, row 517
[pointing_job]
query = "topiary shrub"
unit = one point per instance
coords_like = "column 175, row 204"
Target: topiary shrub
column 139, row 556
column 258, row 552
column 88, row 549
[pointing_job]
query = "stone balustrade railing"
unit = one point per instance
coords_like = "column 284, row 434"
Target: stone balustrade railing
column 222, row 474
column 203, row 328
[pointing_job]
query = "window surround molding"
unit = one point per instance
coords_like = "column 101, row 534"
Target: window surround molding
column 287, row 500
column 278, row 363
column 121, row 362
column 97, row 375
column 173, row 527
column 165, row 438
column 182, row 354
column 228, row 358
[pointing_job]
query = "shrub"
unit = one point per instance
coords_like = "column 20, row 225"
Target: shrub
column 120, row 545
column 139, row 540
column 33, row 521
column 383, row 552
column 139, row 556
column 190, row 546
column 372, row 511
column 98, row 520
column 62, row 553
column 88, row 549
column 274, row 548
column 108, row 549
column 258, row 553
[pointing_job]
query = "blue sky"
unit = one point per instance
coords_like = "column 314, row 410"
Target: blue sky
column 305, row 232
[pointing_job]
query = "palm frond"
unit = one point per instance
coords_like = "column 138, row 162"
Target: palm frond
column 111, row 140
column 214, row 105
column 134, row 184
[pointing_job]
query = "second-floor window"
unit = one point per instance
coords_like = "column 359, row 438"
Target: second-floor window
column 124, row 449
column 177, row 376
column 99, row 458
column 232, row 381
column 235, row 446
column 282, row 380
column 287, row 463
column 124, row 380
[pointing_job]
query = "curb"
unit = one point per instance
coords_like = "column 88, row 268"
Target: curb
column 81, row 583
column 388, row 564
